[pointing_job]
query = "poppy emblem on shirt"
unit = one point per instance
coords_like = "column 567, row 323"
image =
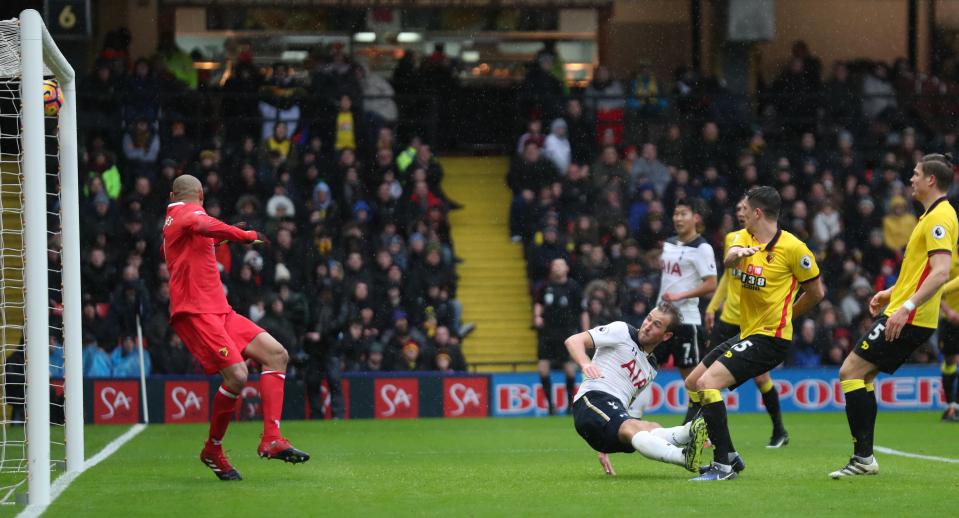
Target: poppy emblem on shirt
column 224, row 352
column 938, row 232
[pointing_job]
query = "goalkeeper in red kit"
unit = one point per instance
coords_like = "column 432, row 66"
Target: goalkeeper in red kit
column 219, row 338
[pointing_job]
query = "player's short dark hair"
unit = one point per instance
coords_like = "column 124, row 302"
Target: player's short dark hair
column 695, row 205
column 766, row 198
column 675, row 317
column 941, row 168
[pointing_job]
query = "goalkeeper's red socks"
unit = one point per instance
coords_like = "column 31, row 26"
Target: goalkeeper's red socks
column 271, row 402
column 224, row 406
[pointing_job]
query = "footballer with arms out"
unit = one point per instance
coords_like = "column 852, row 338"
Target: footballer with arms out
column 622, row 366
column 219, row 338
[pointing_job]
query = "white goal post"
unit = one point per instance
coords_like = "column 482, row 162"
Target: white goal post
column 39, row 56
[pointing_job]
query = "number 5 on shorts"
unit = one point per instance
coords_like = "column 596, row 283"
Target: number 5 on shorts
column 876, row 331
column 740, row 347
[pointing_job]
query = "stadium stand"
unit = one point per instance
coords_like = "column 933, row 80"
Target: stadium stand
column 595, row 177
column 362, row 273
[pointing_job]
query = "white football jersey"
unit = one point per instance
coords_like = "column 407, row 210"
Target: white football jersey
column 684, row 266
column 627, row 370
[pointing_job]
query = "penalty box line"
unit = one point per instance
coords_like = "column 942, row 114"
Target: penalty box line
column 60, row 484
column 890, row 451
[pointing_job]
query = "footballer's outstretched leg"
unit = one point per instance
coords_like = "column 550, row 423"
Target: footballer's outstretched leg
column 640, row 435
column 714, row 413
column 273, row 357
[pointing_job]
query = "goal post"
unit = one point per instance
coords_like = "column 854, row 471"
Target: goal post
column 38, row 54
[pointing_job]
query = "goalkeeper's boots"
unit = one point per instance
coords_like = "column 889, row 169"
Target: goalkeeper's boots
column 281, row 449
column 736, row 461
column 857, row 466
column 716, row 472
column 693, row 452
column 214, row 458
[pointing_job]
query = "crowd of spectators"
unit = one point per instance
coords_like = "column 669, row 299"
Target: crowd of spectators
column 596, row 174
column 360, row 274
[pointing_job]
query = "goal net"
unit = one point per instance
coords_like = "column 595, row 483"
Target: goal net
column 41, row 415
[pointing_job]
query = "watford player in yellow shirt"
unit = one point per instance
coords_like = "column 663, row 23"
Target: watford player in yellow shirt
column 911, row 309
column 727, row 326
column 949, row 340
column 775, row 265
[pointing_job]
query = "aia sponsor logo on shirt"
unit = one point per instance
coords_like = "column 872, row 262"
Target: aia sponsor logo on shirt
column 186, row 401
column 671, row 268
column 465, row 397
column 116, row 402
column 396, row 398
column 635, row 374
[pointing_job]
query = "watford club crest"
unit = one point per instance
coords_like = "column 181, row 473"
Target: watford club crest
column 224, row 352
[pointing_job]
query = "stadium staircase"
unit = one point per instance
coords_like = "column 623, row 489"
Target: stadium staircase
column 492, row 285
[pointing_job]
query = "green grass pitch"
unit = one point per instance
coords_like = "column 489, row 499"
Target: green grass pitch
column 513, row 467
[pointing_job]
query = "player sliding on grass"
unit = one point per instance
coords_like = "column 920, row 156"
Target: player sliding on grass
column 620, row 369
column 219, row 338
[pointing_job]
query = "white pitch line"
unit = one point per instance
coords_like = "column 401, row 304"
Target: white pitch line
column 890, row 451
column 64, row 481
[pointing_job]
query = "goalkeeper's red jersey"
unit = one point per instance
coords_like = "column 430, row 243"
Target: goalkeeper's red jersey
column 189, row 238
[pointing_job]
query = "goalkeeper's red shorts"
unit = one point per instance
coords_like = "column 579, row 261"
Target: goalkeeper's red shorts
column 216, row 340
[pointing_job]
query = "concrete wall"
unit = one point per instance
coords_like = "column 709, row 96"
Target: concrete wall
column 653, row 30
column 140, row 16
column 840, row 30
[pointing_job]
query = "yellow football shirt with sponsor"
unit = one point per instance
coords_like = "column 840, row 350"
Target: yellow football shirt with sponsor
column 936, row 233
column 730, row 313
column 769, row 281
